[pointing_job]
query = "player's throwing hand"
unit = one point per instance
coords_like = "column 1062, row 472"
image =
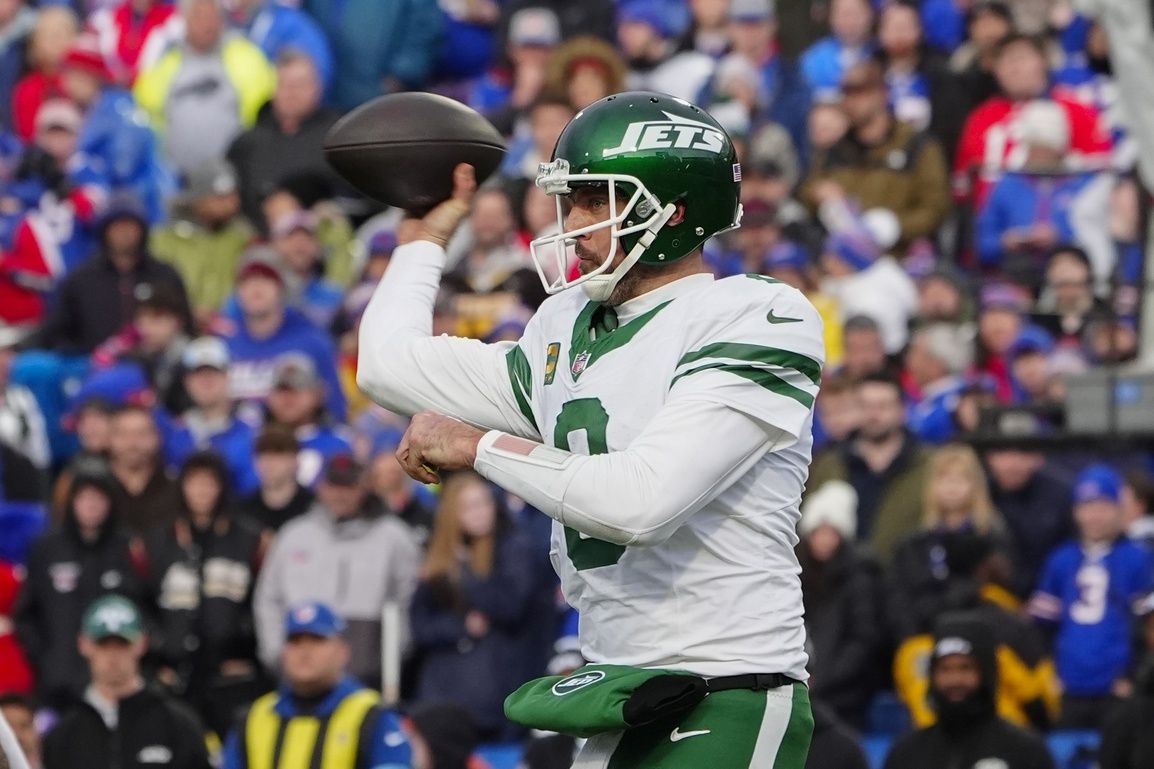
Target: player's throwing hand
column 440, row 223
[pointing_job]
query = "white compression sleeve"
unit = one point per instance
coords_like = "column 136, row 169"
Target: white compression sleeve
column 690, row 453
column 405, row 369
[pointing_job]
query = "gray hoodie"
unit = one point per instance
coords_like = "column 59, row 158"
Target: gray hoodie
column 354, row 565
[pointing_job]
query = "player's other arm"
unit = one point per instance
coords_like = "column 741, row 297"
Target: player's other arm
column 403, row 367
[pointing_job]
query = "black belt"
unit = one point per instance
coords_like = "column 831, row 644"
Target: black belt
column 758, row 682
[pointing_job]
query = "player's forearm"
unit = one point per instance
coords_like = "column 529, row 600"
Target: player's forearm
column 638, row 496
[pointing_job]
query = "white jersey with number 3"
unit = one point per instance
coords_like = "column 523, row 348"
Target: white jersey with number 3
column 721, row 595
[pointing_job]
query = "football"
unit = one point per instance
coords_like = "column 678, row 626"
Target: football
column 401, row 149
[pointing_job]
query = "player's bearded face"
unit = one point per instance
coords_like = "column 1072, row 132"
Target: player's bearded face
column 590, row 205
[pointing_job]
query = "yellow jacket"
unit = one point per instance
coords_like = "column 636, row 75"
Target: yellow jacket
column 250, row 72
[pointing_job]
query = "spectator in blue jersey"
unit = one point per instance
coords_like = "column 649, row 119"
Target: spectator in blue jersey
column 294, row 238
column 752, row 30
column 825, row 62
column 1029, row 364
column 1089, row 593
column 268, row 329
column 278, row 29
column 297, row 403
column 937, row 360
column 211, row 423
column 380, row 47
column 116, row 133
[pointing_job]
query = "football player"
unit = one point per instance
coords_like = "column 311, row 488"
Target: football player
column 661, row 417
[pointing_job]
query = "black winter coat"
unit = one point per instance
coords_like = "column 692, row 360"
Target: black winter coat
column 937, row 748
column 845, row 624
column 153, row 731
column 834, row 745
column 65, row 575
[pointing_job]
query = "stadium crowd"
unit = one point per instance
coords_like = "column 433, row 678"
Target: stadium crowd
column 191, row 484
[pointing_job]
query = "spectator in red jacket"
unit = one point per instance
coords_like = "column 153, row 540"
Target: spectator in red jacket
column 124, row 29
column 55, row 32
column 15, row 673
column 989, row 143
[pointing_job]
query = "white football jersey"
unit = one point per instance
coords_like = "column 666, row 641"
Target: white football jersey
column 721, row 596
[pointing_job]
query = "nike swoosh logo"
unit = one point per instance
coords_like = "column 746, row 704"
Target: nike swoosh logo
column 778, row 319
column 677, row 736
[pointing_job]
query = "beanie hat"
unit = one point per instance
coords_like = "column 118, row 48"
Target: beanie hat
column 834, row 504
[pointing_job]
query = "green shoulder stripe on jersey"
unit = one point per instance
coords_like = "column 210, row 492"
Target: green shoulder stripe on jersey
column 521, row 378
column 583, row 342
column 756, row 353
column 762, row 278
column 758, row 376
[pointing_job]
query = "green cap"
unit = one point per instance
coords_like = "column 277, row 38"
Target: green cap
column 113, row 616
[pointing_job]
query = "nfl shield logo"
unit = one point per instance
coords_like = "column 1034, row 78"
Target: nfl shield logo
column 579, row 364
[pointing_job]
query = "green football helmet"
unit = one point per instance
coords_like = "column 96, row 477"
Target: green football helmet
column 653, row 151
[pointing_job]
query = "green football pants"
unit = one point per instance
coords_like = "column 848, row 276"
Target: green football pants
column 736, row 729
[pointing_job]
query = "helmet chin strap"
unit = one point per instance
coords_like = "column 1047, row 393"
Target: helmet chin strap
column 600, row 287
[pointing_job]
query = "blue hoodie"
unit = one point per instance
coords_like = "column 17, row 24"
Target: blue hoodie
column 253, row 360
column 1019, row 200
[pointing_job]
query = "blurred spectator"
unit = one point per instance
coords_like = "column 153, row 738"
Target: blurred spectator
column 547, row 116
column 1035, row 505
column 125, row 29
column 206, row 89
column 865, row 351
column 343, row 552
column 90, row 555
column 379, row 47
column 885, row 464
column 1029, row 358
column 444, row 736
column 279, row 497
column 297, row 403
column 469, row 608
column 513, row 86
column 985, row 25
column 210, row 423
column 121, row 721
column 593, row 17
column 1001, row 307
column 922, row 92
column 283, row 31
column 144, row 495
column 22, row 517
column 748, row 246
column 586, row 69
column 15, row 669
column 937, row 360
column 754, row 36
column 269, row 329
column 288, row 136
column 881, row 162
column 1127, row 741
column 20, row 713
column 21, row 422
column 1032, row 210
column 99, row 297
column 824, row 64
column 294, row 238
column 115, row 133
column 1138, row 507
column 349, row 727
column 942, row 298
column 16, row 23
column 989, row 143
column 863, row 277
column 467, row 43
column 90, row 418
column 1090, row 591
column 647, row 39
column 495, row 254
column 1067, row 303
column 155, row 342
column 963, row 683
column 206, row 237
column 202, row 569
column 51, row 40
column 60, row 193
column 396, row 490
column 942, row 567
column 841, row 586
column 826, row 125
column 836, row 413
column 707, row 31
